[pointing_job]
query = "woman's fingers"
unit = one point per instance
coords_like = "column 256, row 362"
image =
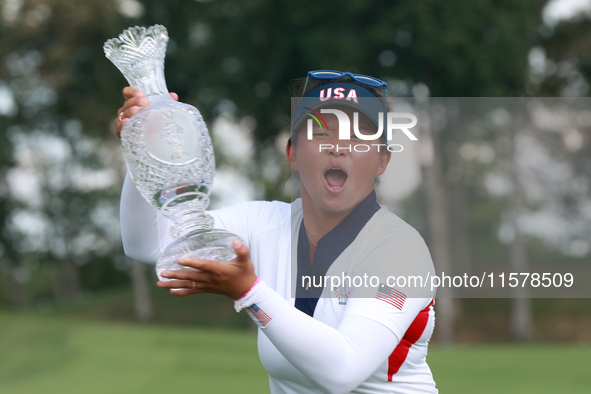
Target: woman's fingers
column 242, row 255
column 131, row 106
column 183, row 288
column 182, row 275
column 232, row 278
column 130, row 91
column 176, row 284
column 134, row 100
column 202, row 265
column 184, row 292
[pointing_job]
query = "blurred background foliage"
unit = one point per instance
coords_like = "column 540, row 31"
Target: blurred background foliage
column 61, row 167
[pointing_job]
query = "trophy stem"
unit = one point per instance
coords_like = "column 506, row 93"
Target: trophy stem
column 188, row 221
column 184, row 205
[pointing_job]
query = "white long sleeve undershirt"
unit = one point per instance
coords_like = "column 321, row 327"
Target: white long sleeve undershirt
column 144, row 230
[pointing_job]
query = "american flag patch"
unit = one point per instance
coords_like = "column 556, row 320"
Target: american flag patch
column 341, row 294
column 260, row 315
column 391, row 296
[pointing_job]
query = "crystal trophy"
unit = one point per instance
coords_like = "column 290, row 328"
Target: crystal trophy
column 168, row 151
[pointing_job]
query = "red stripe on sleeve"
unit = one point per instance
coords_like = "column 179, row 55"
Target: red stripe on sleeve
column 414, row 332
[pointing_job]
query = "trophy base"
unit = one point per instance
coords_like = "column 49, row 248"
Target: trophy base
column 211, row 244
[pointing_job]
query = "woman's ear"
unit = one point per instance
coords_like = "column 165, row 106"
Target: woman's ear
column 289, row 151
column 384, row 160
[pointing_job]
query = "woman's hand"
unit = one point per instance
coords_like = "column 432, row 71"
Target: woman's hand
column 134, row 99
column 233, row 278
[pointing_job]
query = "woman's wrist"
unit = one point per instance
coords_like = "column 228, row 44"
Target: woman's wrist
column 251, row 296
column 256, row 282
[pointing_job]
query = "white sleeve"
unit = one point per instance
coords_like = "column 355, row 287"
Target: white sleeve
column 360, row 344
column 144, row 230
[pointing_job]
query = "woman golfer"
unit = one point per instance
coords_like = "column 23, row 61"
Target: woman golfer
column 327, row 277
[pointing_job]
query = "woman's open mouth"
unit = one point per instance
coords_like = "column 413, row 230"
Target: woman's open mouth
column 335, row 179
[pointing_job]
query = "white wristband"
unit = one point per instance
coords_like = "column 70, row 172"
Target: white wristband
column 243, row 302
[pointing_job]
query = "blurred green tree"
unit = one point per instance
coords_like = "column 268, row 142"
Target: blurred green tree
column 54, row 117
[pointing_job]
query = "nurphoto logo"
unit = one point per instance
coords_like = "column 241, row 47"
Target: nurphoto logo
column 392, row 123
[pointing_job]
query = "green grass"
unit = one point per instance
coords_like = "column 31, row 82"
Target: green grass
column 512, row 368
column 40, row 354
column 50, row 354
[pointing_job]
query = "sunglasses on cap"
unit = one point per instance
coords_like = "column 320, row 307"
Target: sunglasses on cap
column 360, row 78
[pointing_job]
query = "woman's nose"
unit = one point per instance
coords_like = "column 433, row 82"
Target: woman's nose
column 338, row 148
column 332, row 123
